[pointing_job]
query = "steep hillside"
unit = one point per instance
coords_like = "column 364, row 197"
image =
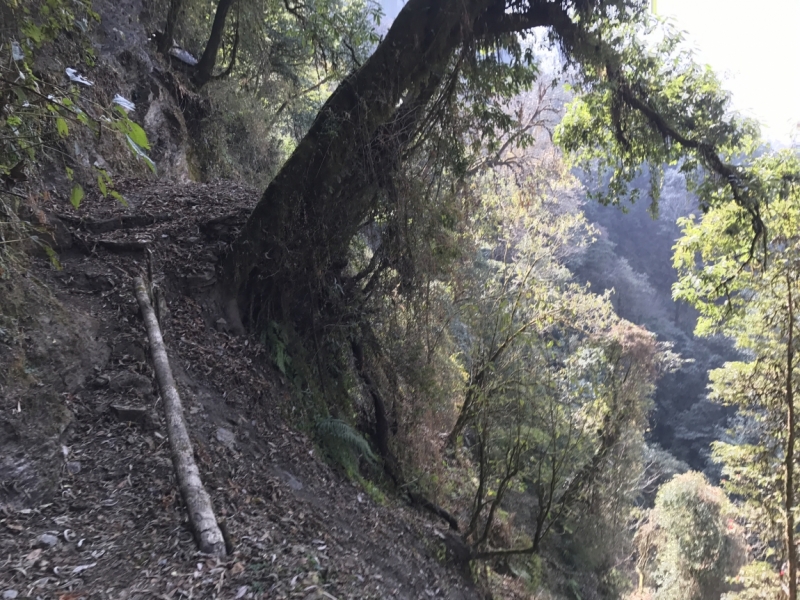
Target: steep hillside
column 368, row 253
column 633, row 256
column 89, row 504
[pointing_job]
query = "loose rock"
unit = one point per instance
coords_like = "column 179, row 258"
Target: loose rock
column 226, row 437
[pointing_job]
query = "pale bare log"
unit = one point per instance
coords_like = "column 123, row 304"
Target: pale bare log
column 198, row 503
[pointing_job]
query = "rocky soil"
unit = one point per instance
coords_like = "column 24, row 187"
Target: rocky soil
column 88, row 502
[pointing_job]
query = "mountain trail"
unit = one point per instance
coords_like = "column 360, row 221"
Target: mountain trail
column 89, row 507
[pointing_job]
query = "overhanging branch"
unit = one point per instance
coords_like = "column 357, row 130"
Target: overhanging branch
column 495, row 23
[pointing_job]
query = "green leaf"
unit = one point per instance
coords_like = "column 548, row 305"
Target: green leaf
column 33, row 32
column 281, row 360
column 141, row 153
column 62, row 127
column 51, row 254
column 101, row 183
column 76, row 196
column 70, row 173
column 137, row 134
column 117, row 196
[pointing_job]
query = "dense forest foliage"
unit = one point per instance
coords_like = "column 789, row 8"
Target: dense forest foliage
column 462, row 263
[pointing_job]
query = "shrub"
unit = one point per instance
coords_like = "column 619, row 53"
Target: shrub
column 690, row 544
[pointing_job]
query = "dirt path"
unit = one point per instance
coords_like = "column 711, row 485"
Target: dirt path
column 88, row 503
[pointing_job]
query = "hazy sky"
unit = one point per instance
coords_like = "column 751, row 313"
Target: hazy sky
column 390, row 10
column 753, row 46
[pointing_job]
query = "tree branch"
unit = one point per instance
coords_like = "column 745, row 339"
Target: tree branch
column 198, row 502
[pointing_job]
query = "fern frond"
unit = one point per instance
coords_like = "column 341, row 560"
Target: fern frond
column 338, row 436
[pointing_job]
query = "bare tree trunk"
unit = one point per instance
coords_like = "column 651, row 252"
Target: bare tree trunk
column 166, row 38
column 381, row 418
column 198, row 503
column 791, row 549
column 205, row 68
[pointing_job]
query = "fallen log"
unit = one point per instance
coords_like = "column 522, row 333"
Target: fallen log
column 198, row 503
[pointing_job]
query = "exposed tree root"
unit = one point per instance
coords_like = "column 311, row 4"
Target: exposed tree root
column 124, row 245
column 114, row 223
column 434, row 508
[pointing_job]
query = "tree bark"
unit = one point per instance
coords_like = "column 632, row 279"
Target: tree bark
column 198, row 503
column 300, row 231
column 166, row 39
column 205, row 67
column 791, row 549
column 295, row 242
column 381, row 418
column 434, row 508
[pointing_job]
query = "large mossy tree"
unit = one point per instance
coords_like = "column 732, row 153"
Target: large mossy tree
column 646, row 105
column 429, row 93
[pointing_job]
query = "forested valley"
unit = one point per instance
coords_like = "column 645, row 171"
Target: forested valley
column 484, row 299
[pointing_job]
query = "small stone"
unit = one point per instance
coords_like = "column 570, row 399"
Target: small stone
column 226, row 437
column 101, row 381
column 292, row 481
column 74, row 467
column 130, row 350
column 233, row 399
column 201, row 279
column 10, row 594
column 128, row 381
column 130, row 414
column 48, row 540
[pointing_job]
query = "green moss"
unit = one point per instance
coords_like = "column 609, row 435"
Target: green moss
column 374, row 492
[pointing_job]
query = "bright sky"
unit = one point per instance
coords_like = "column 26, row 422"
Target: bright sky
column 755, row 48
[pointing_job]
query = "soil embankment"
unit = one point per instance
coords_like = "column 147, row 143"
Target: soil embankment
column 88, row 503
